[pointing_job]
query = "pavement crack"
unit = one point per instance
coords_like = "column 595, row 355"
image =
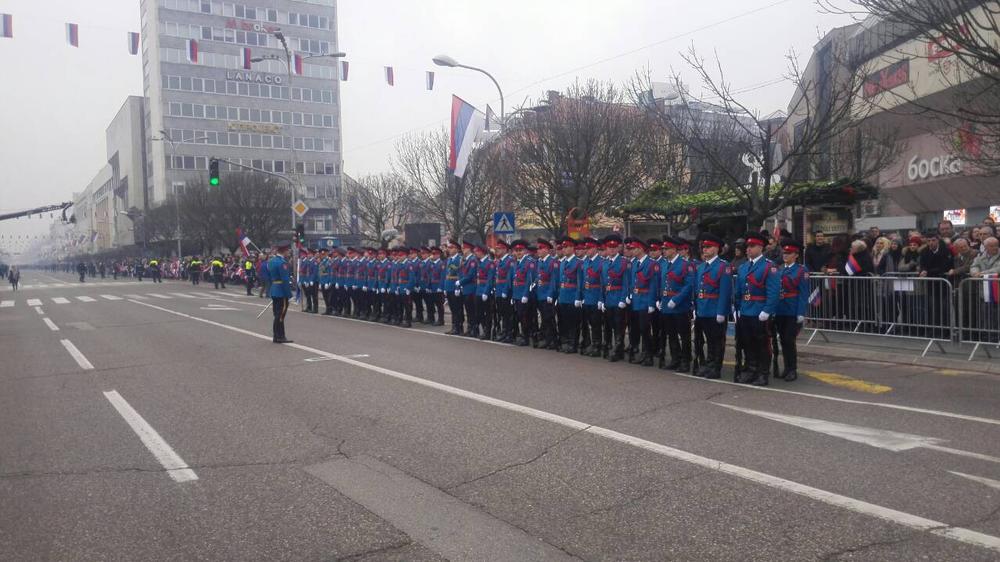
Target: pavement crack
column 518, row 464
column 669, row 405
column 837, row 554
column 380, row 550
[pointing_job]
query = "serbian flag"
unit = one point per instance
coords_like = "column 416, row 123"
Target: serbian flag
column 991, row 289
column 815, row 299
column 192, row 51
column 6, row 26
column 133, row 43
column 430, row 80
column 388, row 76
column 73, row 34
column 246, row 58
column 852, row 266
column 344, row 67
column 466, row 125
column 244, row 241
column 297, row 63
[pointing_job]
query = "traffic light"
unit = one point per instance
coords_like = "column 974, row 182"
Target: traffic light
column 213, row 171
column 300, row 234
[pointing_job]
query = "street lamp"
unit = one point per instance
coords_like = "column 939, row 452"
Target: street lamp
column 173, row 154
column 445, row 60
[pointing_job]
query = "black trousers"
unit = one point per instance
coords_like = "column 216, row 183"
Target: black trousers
column 639, row 332
column 547, row 312
column 484, row 314
column 594, row 319
column 656, row 327
column 217, row 280
column 469, row 302
column 418, row 304
column 755, row 337
column 279, row 307
column 714, row 334
column 457, row 309
column 569, row 325
column 523, row 312
column 250, row 281
column 195, row 277
column 677, row 328
column 435, row 308
column 615, row 323
column 788, row 331
column 505, row 310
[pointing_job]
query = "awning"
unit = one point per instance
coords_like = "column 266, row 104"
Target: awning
column 966, row 192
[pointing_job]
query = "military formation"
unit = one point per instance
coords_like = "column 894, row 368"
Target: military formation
column 664, row 302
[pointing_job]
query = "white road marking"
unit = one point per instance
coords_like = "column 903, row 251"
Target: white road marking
column 34, row 302
column 52, row 325
column 39, row 310
column 86, row 299
column 111, row 297
column 60, row 300
column 182, row 295
column 175, row 465
column 159, row 296
column 80, row 359
column 218, row 307
column 358, row 355
column 981, row 479
column 6, row 304
column 916, row 522
column 879, row 438
column 140, row 297
column 316, row 359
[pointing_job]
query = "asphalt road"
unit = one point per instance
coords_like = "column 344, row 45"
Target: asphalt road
column 159, row 422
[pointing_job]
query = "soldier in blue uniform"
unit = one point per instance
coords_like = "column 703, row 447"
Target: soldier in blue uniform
column 644, row 287
column 546, row 290
column 615, row 280
column 278, row 271
column 418, row 264
column 593, row 341
column 677, row 279
column 325, row 271
column 306, row 278
column 757, row 288
column 793, row 299
column 453, row 288
column 467, row 280
column 503, row 289
column 383, row 280
column 485, row 276
column 656, row 254
column 713, row 304
column 434, row 289
column 522, row 295
column 569, row 298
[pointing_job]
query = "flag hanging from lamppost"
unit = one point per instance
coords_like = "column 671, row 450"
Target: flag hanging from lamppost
column 73, row 34
column 133, row 43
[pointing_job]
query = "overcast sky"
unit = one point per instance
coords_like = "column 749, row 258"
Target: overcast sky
column 56, row 101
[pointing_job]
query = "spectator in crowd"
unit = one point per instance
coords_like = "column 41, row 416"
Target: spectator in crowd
column 936, row 259
column 935, row 263
column 896, row 251
column 738, row 254
column 963, row 258
column 987, row 263
column 910, row 261
column 946, row 230
column 883, row 258
column 818, row 254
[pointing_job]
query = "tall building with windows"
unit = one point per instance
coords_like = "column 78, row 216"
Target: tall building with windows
column 203, row 98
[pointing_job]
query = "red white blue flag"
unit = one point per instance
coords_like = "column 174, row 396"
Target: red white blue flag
column 73, row 34
column 466, row 125
column 389, row 79
column 244, row 241
column 991, row 289
column 852, row 266
column 815, row 299
column 6, row 26
column 344, row 67
column 192, row 51
column 133, row 43
column 297, row 63
column 246, row 58
column 430, row 80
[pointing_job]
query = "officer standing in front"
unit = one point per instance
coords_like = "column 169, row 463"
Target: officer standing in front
column 249, row 274
column 793, row 299
column 677, row 288
column 757, row 288
column 644, row 286
column 713, row 303
column 615, row 279
column 279, row 272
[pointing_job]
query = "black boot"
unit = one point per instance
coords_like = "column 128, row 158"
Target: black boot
column 684, row 367
column 647, row 360
column 791, row 375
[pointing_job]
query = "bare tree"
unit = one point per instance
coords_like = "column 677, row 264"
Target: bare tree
column 965, row 33
column 256, row 203
column 381, row 203
column 760, row 159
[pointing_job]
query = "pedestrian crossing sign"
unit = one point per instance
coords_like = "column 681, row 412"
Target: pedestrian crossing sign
column 503, row 223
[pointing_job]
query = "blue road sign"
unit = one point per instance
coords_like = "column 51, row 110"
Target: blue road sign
column 503, row 223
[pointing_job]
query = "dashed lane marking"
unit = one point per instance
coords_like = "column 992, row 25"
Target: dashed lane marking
column 159, row 296
column 911, row 521
column 60, row 300
column 39, row 310
column 111, row 297
column 164, row 453
column 86, row 299
column 182, row 295
column 52, row 325
column 139, row 297
column 80, row 359
column 34, row 302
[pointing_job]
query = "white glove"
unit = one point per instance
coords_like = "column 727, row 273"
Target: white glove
column 622, row 304
column 650, row 309
column 503, row 295
column 407, row 292
column 671, row 304
column 524, row 300
column 365, row 289
column 659, row 305
column 458, row 292
column 549, row 300
column 720, row 318
column 800, row 319
column 600, row 306
column 382, row 290
column 763, row 316
column 578, row 304
column 486, row 298
column 336, row 285
column 628, row 300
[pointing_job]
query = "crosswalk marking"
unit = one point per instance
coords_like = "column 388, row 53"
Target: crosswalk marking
column 184, row 295
column 86, row 299
column 140, row 297
column 6, row 304
column 204, row 295
column 60, row 300
column 111, row 297
column 34, row 302
column 159, row 296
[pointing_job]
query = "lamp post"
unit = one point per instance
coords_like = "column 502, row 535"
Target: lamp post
column 173, row 154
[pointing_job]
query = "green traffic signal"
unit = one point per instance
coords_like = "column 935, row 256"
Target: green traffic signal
column 214, row 181
column 213, row 171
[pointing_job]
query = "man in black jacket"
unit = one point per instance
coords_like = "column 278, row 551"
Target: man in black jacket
column 936, row 261
column 818, row 253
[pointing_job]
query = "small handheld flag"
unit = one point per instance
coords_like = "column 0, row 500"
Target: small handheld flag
column 852, row 266
column 389, row 77
column 244, row 241
column 73, row 34
column 991, row 289
column 814, row 297
column 133, row 43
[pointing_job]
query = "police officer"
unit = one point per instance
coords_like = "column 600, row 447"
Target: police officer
column 757, row 287
column 713, row 304
column 434, row 289
column 593, row 344
column 793, row 299
column 569, row 298
column 249, row 274
column 453, row 288
column 194, row 270
column 154, row 270
column 643, row 283
column 677, row 279
column 546, row 292
column 218, row 271
column 503, row 288
column 615, row 280
column 279, row 272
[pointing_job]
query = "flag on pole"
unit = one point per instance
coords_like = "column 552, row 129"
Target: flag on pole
column 344, row 67
column 430, row 80
column 814, row 297
column 466, row 125
column 388, row 76
column 73, row 34
column 192, row 51
column 6, row 26
column 244, row 241
column 991, row 289
column 246, row 58
column 93, row 237
column 297, row 63
column 133, row 43
column 852, row 266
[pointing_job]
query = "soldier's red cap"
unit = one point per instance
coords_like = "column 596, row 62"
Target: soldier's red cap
column 436, row 250
column 480, row 248
column 543, row 243
column 502, row 242
column 755, row 239
column 711, row 240
column 632, row 242
column 612, row 241
column 468, row 245
column 683, row 244
column 453, row 243
column 590, row 242
column 519, row 244
column 566, row 241
column 791, row 246
column 653, row 244
column 669, row 242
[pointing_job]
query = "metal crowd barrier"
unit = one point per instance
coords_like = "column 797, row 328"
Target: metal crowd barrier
column 979, row 314
column 902, row 306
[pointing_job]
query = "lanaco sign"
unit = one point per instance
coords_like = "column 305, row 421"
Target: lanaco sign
column 255, row 77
